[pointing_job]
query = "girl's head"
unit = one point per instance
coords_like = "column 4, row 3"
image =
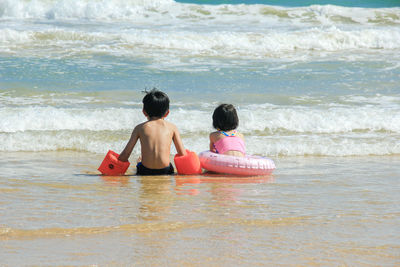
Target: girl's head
column 225, row 118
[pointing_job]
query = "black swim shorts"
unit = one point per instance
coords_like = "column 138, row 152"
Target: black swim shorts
column 142, row 170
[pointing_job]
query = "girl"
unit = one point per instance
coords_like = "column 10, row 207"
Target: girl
column 226, row 140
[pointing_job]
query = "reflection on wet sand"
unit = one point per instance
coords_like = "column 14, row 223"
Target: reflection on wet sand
column 115, row 180
column 219, row 182
column 155, row 197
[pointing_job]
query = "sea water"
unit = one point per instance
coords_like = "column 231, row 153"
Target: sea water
column 316, row 86
column 313, row 80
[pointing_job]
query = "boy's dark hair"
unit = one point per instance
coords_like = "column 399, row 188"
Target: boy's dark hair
column 155, row 103
column 225, row 118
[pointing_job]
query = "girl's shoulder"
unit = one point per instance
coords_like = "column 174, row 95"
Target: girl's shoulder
column 239, row 134
column 232, row 133
column 214, row 134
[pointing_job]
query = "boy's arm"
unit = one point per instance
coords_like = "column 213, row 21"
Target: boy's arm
column 178, row 142
column 124, row 156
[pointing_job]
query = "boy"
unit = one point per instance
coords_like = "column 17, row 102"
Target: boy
column 156, row 136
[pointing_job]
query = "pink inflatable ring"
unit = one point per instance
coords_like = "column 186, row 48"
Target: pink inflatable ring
column 247, row 165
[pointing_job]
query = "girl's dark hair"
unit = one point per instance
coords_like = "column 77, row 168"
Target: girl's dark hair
column 155, row 103
column 225, row 118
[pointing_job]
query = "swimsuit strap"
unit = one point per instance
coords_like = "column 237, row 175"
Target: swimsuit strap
column 224, row 133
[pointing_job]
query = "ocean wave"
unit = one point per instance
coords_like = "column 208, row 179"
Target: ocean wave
column 349, row 144
column 171, row 33
column 264, row 121
column 342, row 130
column 80, row 9
column 163, row 45
column 170, row 10
column 56, row 119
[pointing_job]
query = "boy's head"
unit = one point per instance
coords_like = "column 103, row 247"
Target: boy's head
column 225, row 118
column 155, row 103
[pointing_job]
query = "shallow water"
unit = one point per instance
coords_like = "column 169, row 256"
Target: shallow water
column 56, row 210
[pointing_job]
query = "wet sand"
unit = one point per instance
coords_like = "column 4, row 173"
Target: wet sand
column 56, row 210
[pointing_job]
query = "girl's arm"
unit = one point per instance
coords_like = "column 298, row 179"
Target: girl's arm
column 212, row 148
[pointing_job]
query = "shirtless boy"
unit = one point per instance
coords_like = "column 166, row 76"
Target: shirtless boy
column 156, row 136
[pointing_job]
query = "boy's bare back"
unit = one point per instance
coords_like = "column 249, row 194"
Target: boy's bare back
column 156, row 136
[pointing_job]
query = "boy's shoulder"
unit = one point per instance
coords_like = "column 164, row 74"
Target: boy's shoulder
column 156, row 123
column 140, row 126
column 171, row 126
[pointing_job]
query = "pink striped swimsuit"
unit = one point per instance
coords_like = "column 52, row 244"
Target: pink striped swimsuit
column 229, row 143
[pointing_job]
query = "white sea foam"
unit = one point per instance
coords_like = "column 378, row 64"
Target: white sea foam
column 80, row 9
column 58, row 119
column 165, row 46
column 265, row 121
column 331, row 120
column 278, row 145
column 170, row 10
column 168, row 31
column 361, row 129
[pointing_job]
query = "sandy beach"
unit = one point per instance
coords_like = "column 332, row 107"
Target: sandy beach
column 57, row 210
